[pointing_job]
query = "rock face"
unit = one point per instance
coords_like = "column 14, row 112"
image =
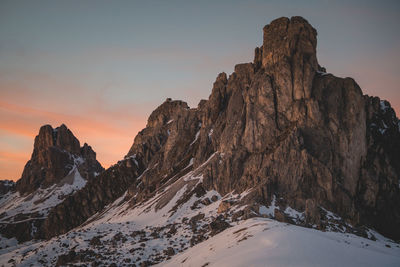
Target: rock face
column 289, row 56
column 54, row 155
column 279, row 127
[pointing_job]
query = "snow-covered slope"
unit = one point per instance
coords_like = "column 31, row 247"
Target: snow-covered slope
column 14, row 206
column 189, row 228
column 265, row 242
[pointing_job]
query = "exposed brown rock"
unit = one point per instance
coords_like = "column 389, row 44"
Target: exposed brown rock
column 289, row 56
column 56, row 152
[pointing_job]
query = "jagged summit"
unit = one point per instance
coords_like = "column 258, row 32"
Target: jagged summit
column 60, row 137
column 289, row 54
column 55, row 153
column 279, row 138
column 58, row 167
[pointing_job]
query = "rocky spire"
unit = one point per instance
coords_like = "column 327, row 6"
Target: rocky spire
column 289, row 54
column 56, row 152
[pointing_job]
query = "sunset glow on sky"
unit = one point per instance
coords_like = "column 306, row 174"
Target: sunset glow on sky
column 101, row 67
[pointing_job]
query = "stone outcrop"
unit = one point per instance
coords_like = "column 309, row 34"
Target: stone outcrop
column 55, row 153
column 277, row 127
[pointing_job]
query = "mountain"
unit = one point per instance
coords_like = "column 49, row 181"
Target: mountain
column 279, row 144
column 58, row 167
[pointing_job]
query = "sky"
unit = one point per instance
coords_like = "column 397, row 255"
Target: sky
column 101, row 67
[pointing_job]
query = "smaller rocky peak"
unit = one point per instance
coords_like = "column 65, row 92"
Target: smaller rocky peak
column 56, row 153
column 164, row 113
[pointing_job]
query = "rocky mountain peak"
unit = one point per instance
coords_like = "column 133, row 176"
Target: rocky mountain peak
column 289, row 40
column 56, row 152
column 60, row 137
